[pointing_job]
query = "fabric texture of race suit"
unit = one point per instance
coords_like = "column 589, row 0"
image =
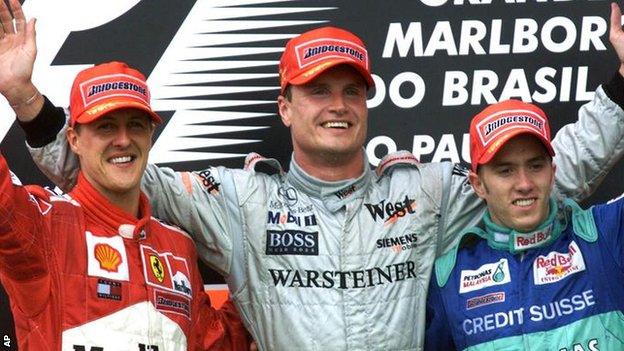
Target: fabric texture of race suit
column 560, row 287
column 314, row 265
column 83, row 275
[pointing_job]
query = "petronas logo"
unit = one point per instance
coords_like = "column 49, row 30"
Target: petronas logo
column 499, row 273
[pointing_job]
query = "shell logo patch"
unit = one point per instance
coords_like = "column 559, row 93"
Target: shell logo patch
column 108, row 257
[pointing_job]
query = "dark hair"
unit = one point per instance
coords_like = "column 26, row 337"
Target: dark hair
column 288, row 93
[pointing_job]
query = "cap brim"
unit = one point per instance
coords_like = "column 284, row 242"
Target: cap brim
column 105, row 107
column 316, row 70
column 493, row 149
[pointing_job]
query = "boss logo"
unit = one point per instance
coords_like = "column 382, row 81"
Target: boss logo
column 291, row 242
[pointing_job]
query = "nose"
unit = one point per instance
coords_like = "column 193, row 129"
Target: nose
column 524, row 182
column 122, row 137
column 338, row 105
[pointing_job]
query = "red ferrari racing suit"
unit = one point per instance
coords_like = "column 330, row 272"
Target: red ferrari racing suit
column 84, row 275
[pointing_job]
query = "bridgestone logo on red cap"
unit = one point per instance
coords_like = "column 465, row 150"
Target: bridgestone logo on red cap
column 494, row 125
column 116, row 85
column 325, row 48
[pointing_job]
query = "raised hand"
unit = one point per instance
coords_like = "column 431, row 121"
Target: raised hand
column 17, row 57
column 616, row 34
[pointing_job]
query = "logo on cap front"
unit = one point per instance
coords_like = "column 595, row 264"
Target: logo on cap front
column 325, row 48
column 116, row 85
column 494, row 125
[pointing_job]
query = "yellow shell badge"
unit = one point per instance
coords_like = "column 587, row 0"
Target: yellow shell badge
column 157, row 268
column 108, row 257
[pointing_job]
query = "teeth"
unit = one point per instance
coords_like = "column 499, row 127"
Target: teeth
column 343, row 125
column 524, row 202
column 122, row 159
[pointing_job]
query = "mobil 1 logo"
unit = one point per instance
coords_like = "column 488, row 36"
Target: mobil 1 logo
column 291, row 242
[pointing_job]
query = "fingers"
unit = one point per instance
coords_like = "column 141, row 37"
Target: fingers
column 6, row 19
column 30, row 38
column 18, row 15
column 616, row 18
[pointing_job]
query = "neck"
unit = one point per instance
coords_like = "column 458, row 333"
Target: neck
column 127, row 200
column 505, row 238
column 331, row 167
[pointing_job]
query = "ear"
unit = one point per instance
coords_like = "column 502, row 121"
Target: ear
column 477, row 184
column 284, row 108
column 554, row 170
column 72, row 140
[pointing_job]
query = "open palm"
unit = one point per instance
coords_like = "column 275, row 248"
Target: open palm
column 17, row 48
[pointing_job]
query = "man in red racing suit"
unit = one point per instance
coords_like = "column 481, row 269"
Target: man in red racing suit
column 92, row 270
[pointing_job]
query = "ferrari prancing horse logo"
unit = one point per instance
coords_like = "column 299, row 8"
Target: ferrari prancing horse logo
column 157, row 268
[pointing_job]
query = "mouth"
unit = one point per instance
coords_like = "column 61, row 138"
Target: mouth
column 336, row 125
column 122, row 160
column 524, row 202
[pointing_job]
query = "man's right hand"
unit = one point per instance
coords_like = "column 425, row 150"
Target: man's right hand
column 17, row 58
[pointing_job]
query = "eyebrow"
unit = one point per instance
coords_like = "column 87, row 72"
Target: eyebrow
column 534, row 159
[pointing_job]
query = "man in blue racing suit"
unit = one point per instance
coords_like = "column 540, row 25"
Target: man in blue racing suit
column 540, row 274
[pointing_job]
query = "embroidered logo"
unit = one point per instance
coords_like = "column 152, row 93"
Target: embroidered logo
column 166, row 271
column 157, row 268
column 489, row 274
column 108, row 289
column 106, row 257
column 109, row 258
column 556, row 265
column 485, row 300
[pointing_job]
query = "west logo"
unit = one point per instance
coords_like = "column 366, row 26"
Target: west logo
column 291, row 242
column 391, row 212
column 287, row 217
column 344, row 193
column 209, row 181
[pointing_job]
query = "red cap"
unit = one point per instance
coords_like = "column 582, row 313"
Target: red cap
column 313, row 52
column 107, row 87
column 498, row 123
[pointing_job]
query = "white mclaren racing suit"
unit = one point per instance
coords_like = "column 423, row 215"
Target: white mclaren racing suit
column 314, row 265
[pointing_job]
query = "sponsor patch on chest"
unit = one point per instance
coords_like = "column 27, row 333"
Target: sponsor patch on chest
column 484, row 300
column 490, row 274
column 108, row 289
column 292, row 242
column 106, row 257
column 556, row 265
column 166, row 271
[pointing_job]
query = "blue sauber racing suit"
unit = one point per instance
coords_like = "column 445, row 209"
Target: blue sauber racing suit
column 559, row 288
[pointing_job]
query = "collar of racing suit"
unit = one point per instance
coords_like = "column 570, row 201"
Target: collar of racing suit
column 334, row 195
column 97, row 207
column 503, row 238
